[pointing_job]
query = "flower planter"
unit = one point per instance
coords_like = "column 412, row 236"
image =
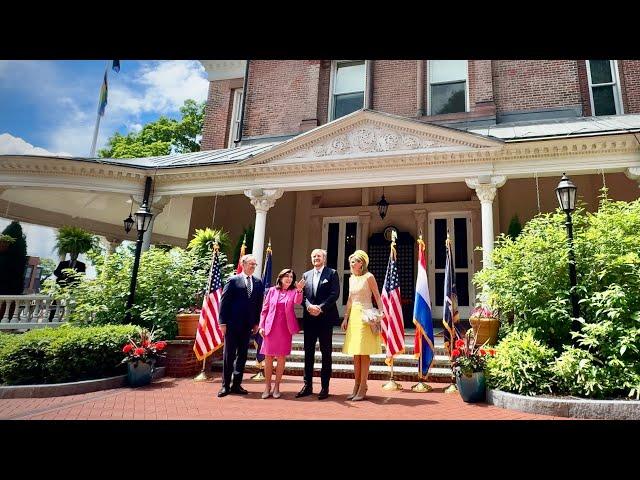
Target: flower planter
column 486, row 329
column 187, row 324
column 4, row 245
column 473, row 388
column 139, row 373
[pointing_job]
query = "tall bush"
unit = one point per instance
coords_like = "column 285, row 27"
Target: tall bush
column 13, row 261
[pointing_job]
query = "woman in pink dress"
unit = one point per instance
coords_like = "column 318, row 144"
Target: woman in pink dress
column 278, row 323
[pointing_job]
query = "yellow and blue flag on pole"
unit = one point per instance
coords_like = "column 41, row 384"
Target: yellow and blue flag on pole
column 104, row 91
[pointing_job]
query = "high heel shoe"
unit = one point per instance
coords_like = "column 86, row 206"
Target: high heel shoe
column 360, row 396
column 276, row 394
column 355, row 391
column 266, row 394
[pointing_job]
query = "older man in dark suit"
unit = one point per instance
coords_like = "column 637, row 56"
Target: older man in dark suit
column 240, row 308
column 321, row 291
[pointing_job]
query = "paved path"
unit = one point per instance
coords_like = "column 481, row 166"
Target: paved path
column 182, row 399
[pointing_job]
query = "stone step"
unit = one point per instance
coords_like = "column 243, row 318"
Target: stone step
column 337, row 347
column 400, row 360
column 377, row 372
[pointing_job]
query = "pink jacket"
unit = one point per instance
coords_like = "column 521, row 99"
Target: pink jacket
column 269, row 309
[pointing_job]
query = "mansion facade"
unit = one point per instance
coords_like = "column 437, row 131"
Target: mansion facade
column 306, row 150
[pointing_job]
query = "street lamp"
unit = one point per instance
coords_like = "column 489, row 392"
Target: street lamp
column 142, row 221
column 566, row 192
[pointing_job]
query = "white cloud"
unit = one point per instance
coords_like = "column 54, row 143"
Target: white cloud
column 165, row 87
column 10, row 145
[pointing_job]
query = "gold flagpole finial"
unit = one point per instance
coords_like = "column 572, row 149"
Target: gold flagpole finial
column 244, row 240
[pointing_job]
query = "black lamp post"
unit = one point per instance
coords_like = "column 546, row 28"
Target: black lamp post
column 143, row 218
column 383, row 206
column 566, row 192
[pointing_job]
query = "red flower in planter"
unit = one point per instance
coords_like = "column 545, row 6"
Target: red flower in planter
column 469, row 358
column 143, row 348
column 459, row 343
column 456, row 352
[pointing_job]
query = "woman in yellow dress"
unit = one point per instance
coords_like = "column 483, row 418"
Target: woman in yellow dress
column 360, row 341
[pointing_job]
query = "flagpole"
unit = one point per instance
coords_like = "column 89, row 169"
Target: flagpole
column 203, row 376
column 95, row 130
column 420, row 387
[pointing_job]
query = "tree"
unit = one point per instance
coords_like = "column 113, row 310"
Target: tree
column 13, row 261
column 162, row 137
column 47, row 266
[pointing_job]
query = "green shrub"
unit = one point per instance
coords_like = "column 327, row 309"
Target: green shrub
column 529, row 281
column 521, row 365
column 167, row 281
column 64, row 354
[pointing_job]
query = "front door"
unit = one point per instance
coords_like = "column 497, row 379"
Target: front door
column 340, row 239
column 458, row 225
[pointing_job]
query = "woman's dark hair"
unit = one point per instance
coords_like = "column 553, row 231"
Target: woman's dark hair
column 282, row 274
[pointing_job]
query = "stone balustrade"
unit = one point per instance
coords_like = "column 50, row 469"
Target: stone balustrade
column 21, row 312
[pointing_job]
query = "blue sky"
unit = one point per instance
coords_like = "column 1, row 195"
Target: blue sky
column 50, row 106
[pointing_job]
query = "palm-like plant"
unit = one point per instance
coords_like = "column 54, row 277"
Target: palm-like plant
column 202, row 242
column 74, row 241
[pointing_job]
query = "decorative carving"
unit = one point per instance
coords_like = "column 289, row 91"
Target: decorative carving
column 263, row 200
column 633, row 173
column 367, row 138
column 486, row 191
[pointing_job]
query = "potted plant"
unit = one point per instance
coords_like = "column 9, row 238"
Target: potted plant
column 469, row 362
column 485, row 325
column 141, row 354
column 5, row 241
column 188, row 319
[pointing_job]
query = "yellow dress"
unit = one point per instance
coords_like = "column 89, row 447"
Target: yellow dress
column 359, row 339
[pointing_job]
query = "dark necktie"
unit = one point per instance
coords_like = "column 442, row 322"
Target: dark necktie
column 249, row 285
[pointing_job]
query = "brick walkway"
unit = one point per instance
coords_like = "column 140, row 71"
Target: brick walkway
column 182, row 398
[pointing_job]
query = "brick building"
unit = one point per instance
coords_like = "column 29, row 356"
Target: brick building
column 305, row 149
column 457, row 146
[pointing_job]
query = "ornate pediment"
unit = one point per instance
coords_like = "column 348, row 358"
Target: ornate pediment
column 367, row 133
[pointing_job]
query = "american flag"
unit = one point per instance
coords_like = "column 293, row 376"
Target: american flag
column 392, row 322
column 209, row 336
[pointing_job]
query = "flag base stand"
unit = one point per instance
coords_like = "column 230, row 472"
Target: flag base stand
column 258, row 377
column 202, row 376
column 421, row 387
column 451, row 389
column 392, row 385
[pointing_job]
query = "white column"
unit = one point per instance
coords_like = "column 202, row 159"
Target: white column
column 262, row 200
column 634, row 174
column 486, row 188
column 156, row 209
column 364, row 220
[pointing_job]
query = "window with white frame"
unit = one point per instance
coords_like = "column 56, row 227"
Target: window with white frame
column 604, row 87
column 348, row 85
column 447, row 91
column 235, row 116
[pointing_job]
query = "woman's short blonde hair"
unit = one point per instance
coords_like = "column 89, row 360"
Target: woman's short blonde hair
column 363, row 257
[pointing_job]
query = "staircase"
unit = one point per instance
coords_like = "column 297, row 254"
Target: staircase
column 405, row 366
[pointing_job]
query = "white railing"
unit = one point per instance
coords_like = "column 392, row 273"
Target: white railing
column 21, row 312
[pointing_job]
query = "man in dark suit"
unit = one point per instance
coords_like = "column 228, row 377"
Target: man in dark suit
column 321, row 291
column 62, row 278
column 240, row 308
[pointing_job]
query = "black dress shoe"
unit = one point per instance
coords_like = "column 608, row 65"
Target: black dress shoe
column 239, row 390
column 324, row 393
column 305, row 392
column 224, row 391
